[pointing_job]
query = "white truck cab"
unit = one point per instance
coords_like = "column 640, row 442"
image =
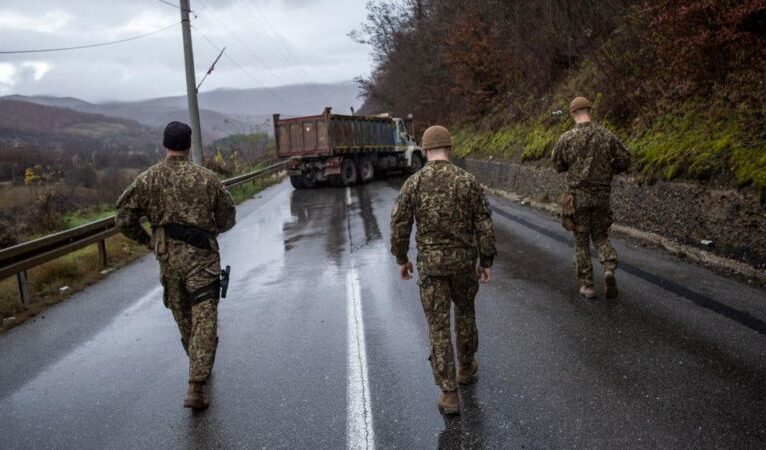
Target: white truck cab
column 407, row 144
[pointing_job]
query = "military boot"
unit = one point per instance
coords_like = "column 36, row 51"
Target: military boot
column 466, row 372
column 610, row 284
column 587, row 291
column 196, row 398
column 449, row 402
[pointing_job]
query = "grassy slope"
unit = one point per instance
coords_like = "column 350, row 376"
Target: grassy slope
column 82, row 268
column 687, row 144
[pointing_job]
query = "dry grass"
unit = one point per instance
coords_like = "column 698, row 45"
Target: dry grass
column 13, row 196
column 75, row 271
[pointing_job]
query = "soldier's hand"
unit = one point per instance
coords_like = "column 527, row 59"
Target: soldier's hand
column 406, row 270
column 485, row 274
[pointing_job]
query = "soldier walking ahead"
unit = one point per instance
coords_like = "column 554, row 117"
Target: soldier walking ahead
column 591, row 155
column 187, row 207
column 454, row 228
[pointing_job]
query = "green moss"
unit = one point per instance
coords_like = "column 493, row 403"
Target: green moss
column 530, row 141
column 696, row 146
column 539, row 142
column 689, row 144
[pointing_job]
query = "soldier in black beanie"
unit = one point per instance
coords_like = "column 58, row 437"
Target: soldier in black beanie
column 177, row 137
column 188, row 208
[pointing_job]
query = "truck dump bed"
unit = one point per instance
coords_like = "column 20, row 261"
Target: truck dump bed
column 333, row 134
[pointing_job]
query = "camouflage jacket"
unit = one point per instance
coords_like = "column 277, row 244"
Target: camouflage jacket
column 591, row 155
column 175, row 191
column 454, row 223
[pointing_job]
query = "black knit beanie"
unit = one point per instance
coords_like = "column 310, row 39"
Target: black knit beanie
column 177, row 136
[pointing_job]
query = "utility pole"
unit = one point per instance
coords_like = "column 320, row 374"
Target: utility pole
column 191, row 84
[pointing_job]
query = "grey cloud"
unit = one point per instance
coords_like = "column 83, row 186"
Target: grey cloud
column 154, row 66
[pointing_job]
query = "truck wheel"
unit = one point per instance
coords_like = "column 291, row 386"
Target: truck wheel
column 347, row 172
column 366, row 170
column 416, row 163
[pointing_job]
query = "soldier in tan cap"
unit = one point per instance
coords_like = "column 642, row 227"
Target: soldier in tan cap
column 591, row 155
column 454, row 229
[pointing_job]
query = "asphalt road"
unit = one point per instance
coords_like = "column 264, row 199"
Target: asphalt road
column 322, row 346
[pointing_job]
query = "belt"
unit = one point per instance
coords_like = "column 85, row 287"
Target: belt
column 194, row 236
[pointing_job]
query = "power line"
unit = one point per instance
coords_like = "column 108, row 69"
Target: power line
column 254, row 55
column 285, row 50
column 79, row 47
column 173, row 5
column 212, row 67
column 241, row 67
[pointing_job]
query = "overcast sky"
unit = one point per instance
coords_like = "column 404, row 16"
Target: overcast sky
column 296, row 41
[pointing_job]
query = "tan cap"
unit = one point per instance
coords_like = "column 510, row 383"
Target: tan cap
column 580, row 103
column 436, row 137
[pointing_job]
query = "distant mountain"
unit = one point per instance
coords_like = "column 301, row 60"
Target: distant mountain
column 24, row 123
column 291, row 100
column 214, row 124
column 224, row 111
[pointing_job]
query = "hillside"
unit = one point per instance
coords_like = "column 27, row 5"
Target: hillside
column 29, row 124
column 215, row 125
column 682, row 81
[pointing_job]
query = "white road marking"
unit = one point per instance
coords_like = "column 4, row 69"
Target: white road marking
column 360, row 433
column 146, row 298
column 359, row 430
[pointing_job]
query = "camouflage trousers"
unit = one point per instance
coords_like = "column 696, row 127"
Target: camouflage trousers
column 198, row 322
column 593, row 225
column 437, row 294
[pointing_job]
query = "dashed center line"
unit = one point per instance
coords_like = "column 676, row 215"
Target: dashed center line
column 360, row 433
column 359, row 430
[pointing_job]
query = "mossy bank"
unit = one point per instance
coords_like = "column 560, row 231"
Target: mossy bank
column 689, row 146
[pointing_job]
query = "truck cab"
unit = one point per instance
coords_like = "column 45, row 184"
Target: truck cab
column 406, row 143
column 402, row 136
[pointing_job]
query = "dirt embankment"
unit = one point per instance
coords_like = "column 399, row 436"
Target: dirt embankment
column 688, row 213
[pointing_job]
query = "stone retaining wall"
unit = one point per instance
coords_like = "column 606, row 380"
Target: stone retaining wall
column 687, row 213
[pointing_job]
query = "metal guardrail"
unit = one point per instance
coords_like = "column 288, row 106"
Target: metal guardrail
column 19, row 258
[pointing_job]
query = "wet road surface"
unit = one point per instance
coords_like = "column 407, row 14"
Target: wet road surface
column 322, row 346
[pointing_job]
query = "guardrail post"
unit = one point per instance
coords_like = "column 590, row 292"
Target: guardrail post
column 23, row 287
column 102, row 253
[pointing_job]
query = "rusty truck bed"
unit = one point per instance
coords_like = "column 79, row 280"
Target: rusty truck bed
column 330, row 134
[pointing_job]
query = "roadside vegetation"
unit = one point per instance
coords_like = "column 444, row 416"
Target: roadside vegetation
column 682, row 81
column 50, row 211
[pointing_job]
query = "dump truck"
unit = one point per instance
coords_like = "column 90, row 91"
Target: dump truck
column 343, row 150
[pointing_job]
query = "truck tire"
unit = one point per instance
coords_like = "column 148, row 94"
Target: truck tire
column 366, row 170
column 416, row 163
column 348, row 174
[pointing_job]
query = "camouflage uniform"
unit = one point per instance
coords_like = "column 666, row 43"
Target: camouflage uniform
column 454, row 227
column 176, row 191
column 591, row 155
